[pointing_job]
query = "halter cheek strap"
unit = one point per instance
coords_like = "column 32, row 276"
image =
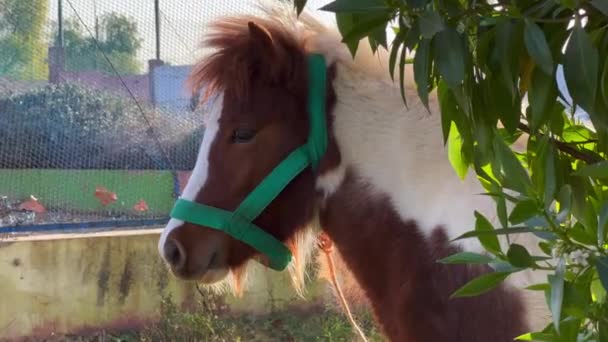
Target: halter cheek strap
column 239, row 223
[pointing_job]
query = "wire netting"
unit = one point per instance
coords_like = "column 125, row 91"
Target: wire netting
column 95, row 131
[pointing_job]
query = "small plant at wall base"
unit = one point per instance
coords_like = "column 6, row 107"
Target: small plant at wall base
column 484, row 59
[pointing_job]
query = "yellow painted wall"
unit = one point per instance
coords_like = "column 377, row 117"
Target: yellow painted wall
column 67, row 284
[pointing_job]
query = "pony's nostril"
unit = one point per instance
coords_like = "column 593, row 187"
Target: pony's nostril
column 175, row 254
column 213, row 261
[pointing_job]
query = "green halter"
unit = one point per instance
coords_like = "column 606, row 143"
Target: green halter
column 239, row 223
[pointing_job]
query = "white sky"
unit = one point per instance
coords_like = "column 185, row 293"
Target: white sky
column 182, row 22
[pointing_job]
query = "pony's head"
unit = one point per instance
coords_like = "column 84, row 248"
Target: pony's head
column 256, row 83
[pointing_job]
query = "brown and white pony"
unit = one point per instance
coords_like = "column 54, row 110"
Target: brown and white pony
column 385, row 192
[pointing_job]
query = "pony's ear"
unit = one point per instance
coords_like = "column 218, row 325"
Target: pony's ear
column 261, row 39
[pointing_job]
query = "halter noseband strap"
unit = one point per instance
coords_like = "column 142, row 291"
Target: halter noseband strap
column 239, row 223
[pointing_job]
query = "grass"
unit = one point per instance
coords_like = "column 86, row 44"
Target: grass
column 207, row 323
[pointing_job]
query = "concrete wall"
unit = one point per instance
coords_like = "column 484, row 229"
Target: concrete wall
column 71, row 283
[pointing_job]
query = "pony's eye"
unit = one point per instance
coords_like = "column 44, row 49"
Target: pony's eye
column 242, row 135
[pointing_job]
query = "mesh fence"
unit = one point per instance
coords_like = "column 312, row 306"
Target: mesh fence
column 95, row 131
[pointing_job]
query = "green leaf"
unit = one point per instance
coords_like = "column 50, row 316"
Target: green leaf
column 539, row 287
column 576, row 300
column 601, row 266
column 449, row 109
column 299, row 4
column 484, row 46
column 347, row 22
column 568, row 3
column 538, row 48
column 466, row 258
column 544, row 337
column 422, row 70
column 377, row 37
column 581, row 65
column 416, row 3
column 550, row 177
column 513, row 173
column 542, row 96
column 604, row 82
column 598, row 293
column 392, row 60
column 569, row 330
column 356, row 6
column 595, row 171
column 489, row 242
column 557, row 292
column 601, row 5
column 501, row 211
column 430, row 23
column 449, row 51
column 582, row 208
column 545, row 247
column 602, row 227
column 481, row 284
column 505, row 55
column 522, row 211
column 602, row 327
column 483, row 133
column 503, row 266
column 495, row 232
column 578, row 134
column 579, row 234
column 518, row 256
column 455, row 155
column 508, row 109
column 364, row 27
column 402, row 76
column 412, row 37
column 565, row 201
column 556, row 124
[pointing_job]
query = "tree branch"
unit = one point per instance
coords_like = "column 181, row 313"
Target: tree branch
column 585, row 155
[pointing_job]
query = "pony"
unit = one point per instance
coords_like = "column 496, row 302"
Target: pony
column 384, row 192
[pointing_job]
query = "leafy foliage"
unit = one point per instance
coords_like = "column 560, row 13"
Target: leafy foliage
column 69, row 126
column 22, row 45
column 487, row 60
column 118, row 39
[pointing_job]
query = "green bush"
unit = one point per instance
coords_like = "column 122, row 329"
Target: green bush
column 69, row 126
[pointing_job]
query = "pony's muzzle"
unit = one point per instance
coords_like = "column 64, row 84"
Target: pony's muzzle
column 195, row 253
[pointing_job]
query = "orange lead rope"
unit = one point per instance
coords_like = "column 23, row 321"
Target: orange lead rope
column 326, row 245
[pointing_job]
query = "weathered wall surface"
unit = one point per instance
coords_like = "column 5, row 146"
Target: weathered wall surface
column 67, row 284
